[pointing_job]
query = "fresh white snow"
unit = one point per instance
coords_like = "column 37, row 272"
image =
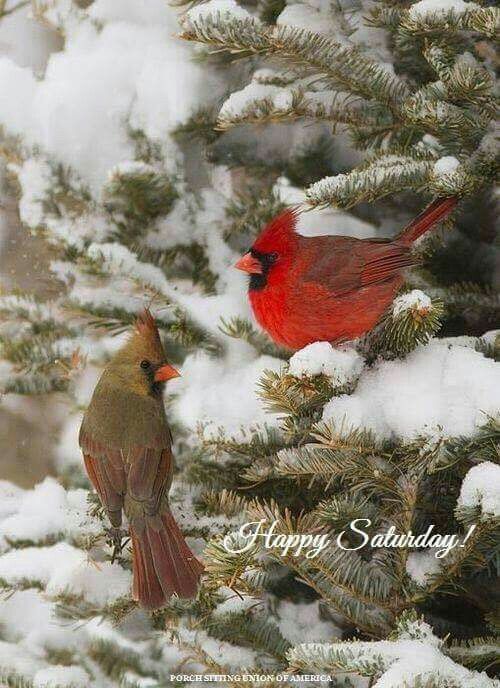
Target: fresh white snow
column 62, row 568
column 312, row 16
column 425, row 7
column 415, row 300
column 439, row 390
column 64, row 513
column 446, row 165
column 239, row 102
column 125, row 68
column 420, row 565
column 224, row 9
column 415, row 655
column 221, row 394
column 302, row 622
column 57, row 676
column 481, row 488
column 342, row 365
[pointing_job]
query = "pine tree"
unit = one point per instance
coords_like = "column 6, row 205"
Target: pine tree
column 424, row 129
column 373, row 109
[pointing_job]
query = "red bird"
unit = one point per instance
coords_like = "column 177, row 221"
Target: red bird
column 328, row 288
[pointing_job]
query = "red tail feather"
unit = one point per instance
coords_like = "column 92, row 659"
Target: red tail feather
column 435, row 212
column 163, row 563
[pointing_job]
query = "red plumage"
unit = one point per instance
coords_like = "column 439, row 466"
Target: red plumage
column 328, row 288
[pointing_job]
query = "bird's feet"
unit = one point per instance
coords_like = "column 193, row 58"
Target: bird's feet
column 115, row 538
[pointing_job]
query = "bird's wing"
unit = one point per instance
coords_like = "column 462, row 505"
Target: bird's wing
column 341, row 264
column 149, row 476
column 384, row 261
column 142, row 473
column 107, row 473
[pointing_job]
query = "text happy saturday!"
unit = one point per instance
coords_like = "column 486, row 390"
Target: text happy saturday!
column 310, row 545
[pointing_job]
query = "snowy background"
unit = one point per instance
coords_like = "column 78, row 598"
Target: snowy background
column 74, row 102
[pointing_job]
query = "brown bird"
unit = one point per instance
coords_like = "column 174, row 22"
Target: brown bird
column 126, row 444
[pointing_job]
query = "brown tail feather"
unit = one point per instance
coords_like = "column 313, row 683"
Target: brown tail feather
column 435, row 212
column 163, row 563
column 146, row 588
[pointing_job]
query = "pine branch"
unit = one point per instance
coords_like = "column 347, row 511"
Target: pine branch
column 139, row 191
column 476, row 653
column 239, row 328
column 224, row 567
column 457, row 127
column 346, row 454
column 245, row 36
column 383, row 177
column 285, row 105
column 297, row 397
column 115, row 662
column 256, row 630
column 259, row 442
column 467, row 560
column 336, row 63
column 226, row 502
column 201, row 124
column 413, row 319
column 339, row 510
column 461, row 298
column 484, row 20
column 353, row 586
column 33, row 384
column 12, row 679
column 340, row 65
column 5, row 12
column 74, row 607
column 252, row 208
column 387, row 659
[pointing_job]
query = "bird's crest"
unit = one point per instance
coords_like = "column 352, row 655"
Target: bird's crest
column 146, row 337
column 280, row 230
column 145, row 324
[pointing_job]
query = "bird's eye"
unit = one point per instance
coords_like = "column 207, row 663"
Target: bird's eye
column 145, row 364
column 273, row 256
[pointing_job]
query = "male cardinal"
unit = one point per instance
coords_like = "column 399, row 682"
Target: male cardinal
column 126, row 444
column 328, row 288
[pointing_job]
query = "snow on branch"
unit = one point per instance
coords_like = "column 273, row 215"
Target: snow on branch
column 379, row 108
column 447, row 388
column 413, row 320
column 343, row 366
column 438, row 16
column 462, row 79
column 413, row 656
column 230, row 28
column 340, row 64
column 263, row 102
column 430, row 109
column 480, row 491
column 382, row 177
column 337, row 63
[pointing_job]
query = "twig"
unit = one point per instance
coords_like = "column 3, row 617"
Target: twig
column 5, row 12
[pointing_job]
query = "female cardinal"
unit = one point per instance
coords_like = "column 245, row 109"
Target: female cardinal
column 126, row 444
column 327, row 288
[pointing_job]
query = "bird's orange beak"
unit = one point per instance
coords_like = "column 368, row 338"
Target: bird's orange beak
column 166, row 372
column 250, row 264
